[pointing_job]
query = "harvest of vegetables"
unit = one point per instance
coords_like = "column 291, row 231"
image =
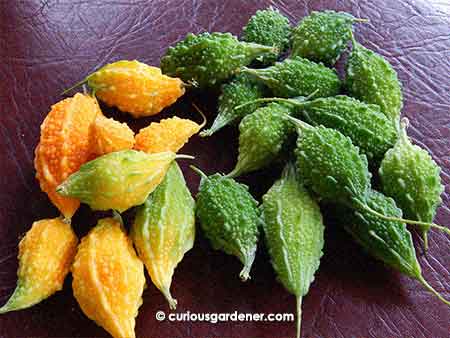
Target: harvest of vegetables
column 331, row 134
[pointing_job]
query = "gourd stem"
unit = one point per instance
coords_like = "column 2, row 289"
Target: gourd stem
column 432, row 290
column 198, row 171
column 201, row 114
column 403, row 220
column 245, row 272
column 362, row 20
column 352, row 38
column 75, row 86
column 299, row 316
column 184, row 156
column 294, row 102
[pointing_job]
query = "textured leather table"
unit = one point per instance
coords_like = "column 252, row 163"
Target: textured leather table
column 46, row 46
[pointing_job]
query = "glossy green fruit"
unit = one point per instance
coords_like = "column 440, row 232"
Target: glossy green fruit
column 208, row 59
column 294, row 232
column 229, row 217
column 323, row 36
column 270, row 28
column 388, row 241
column 240, row 90
column 298, row 77
column 164, row 229
column 118, row 180
column 412, row 178
column 372, row 79
column 264, row 135
column 368, row 128
column 331, row 166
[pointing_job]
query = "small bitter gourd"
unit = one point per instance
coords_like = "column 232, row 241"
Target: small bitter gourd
column 387, row 240
column 294, row 232
column 164, row 229
column 323, row 36
column 208, row 59
column 118, row 180
column 412, row 178
column 298, row 77
column 229, row 217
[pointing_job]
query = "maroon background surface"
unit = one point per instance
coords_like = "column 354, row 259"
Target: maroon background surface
column 46, row 46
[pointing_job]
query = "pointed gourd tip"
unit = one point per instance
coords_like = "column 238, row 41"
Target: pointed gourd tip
column 172, row 301
column 248, row 263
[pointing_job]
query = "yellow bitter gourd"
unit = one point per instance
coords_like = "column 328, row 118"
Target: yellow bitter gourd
column 164, row 229
column 45, row 256
column 108, row 278
column 109, row 135
column 167, row 135
column 134, row 87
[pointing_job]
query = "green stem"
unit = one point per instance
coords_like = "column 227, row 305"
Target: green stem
column 75, row 86
column 432, row 290
column 299, row 316
column 299, row 123
column 201, row 114
column 198, row 171
column 362, row 20
column 184, row 156
column 403, row 220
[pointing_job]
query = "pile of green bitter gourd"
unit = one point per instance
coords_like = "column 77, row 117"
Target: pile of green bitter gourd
column 345, row 131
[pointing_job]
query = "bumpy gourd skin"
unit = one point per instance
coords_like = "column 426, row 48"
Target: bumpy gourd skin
column 322, row 36
column 270, row 28
column 264, row 135
column 229, row 217
column 370, row 78
column 388, row 241
column 411, row 177
column 45, row 256
column 208, row 59
column 109, row 135
column 164, row 229
column 64, row 146
column 118, row 180
column 331, row 166
column 166, row 135
column 108, row 278
column 298, row 77
column 368, row 128
column 294, row 232
column 135, row 87
column 242, row 89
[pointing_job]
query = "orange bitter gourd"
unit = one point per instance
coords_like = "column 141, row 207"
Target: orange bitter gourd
column 45, row 256
column 164, row 229
column 108, row 278
column 110, row 135
column 166, row 135
column 134, row 87
column 118, row 180
column 64, row 146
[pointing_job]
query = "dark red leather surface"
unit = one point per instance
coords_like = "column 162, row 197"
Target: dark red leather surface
column 46, row 46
